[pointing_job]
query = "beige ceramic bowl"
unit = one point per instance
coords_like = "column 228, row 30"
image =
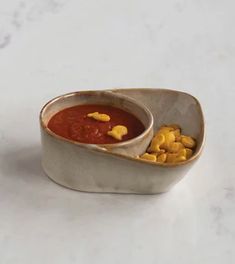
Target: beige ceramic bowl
column 93, row 168
column 132, row 147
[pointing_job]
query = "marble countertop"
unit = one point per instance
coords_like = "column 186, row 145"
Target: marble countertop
column 50, row 47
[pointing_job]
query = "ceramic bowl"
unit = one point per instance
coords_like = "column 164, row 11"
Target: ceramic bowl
column 93, row 168
column 132, row 147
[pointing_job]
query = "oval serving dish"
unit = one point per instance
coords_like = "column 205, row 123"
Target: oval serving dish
column 93, row 168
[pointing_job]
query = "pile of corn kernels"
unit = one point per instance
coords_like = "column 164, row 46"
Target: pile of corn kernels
column 169, row 146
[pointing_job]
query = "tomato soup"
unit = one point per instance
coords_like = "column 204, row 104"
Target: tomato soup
column 74, row 124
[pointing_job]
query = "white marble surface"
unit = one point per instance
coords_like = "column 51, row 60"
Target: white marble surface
column 49, row 47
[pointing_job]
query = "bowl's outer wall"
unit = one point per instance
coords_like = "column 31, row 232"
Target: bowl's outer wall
column 94, row 171
column 86, row 169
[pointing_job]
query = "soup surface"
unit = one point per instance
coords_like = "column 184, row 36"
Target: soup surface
column 74, row 124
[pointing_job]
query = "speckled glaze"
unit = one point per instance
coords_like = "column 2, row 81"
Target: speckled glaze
column 94, row 168
column 131, row 147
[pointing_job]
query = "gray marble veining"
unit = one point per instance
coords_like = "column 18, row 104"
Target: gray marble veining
column 17, row 17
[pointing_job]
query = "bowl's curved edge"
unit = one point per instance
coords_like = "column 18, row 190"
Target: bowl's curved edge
column 131, row 92
column 144, row 177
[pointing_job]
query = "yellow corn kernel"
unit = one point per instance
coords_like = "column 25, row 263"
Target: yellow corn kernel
column 99, row 117
column 188, row 142
column 169, row 138
column 118, row 132
column 156, row 142
column 189, row 153
column 147, row 156
column 175, row 147
column 162, row 158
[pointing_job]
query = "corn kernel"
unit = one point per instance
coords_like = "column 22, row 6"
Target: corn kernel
column 99, row 117
column 118, row 132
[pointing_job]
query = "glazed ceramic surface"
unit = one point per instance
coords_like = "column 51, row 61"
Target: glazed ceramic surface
column 91, row 168
column 132, row 147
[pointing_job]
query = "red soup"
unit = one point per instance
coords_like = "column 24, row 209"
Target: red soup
column 73, row 123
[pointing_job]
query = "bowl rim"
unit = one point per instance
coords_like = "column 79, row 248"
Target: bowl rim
column 97, row 148
column 146, row 131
